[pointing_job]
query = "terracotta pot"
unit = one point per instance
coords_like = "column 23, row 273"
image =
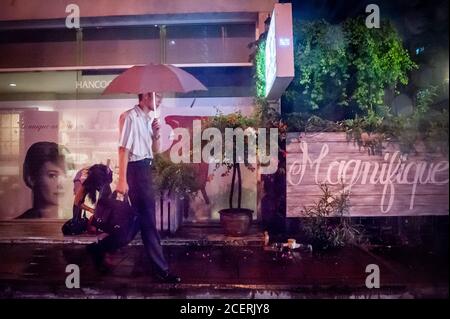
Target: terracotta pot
column 236, row 221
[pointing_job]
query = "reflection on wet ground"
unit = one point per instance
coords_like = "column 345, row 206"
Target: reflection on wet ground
column 30, row 270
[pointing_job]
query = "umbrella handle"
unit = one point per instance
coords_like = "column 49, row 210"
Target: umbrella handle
column 156, row 111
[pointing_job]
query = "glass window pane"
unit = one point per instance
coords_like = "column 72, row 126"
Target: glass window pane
column 5, row 148
column 5, row 120
column 38, row 48
column 5, row 134
column 121, row 45
column 15, row 149
column 15, row 133
column 209, row 43
column 15, row 118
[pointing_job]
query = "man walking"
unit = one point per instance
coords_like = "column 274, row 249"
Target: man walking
column 139, row 140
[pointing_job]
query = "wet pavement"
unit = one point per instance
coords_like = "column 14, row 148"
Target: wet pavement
column 49, row 232
column 228, row 268
column 37, row 270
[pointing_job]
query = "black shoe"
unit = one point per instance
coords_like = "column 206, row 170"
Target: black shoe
column 169, row 278
column 98, row 257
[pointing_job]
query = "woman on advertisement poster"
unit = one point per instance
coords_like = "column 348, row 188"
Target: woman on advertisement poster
column 43, row 172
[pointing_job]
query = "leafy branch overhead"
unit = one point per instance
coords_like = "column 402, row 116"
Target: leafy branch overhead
column 342, row 73
column 425, row 124
column 345, row 63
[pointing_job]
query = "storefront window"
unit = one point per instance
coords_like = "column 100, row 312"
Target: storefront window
column 56, row 97
column 121, row 45
column 32, row 48
column 9, row 135
column 209, row 43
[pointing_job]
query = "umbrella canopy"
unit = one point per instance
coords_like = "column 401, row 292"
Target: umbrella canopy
column 161, row 78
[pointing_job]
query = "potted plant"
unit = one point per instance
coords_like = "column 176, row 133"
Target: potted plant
column 176, row 184
column 178, row 180
column 327, row 224
column 235, row 221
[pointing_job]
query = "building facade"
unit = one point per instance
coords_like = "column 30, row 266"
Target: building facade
column 52, row 76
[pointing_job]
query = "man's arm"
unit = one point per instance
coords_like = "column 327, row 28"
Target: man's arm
column 122, row 185
column 156, row 137
column 125, row 138
column 156, row 144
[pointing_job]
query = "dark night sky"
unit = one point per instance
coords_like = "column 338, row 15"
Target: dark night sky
column 421, row 23
column 414, row 18
column 338, row 10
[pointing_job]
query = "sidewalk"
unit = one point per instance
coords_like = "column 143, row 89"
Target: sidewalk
column 49, row 232
column 231, row 268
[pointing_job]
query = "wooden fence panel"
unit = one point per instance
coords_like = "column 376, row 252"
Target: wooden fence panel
column 390, row 184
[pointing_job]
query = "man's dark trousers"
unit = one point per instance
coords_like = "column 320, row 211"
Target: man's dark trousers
column 142, row 197
column 141, row 194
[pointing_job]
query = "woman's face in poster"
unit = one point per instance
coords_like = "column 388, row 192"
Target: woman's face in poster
column 50, row 183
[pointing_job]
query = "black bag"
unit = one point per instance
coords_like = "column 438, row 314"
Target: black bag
column 115, row 217
column 77, row 224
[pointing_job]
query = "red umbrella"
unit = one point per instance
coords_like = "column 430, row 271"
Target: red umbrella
column 161, row 78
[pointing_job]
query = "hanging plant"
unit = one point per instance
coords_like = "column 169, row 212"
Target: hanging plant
column 260, row 69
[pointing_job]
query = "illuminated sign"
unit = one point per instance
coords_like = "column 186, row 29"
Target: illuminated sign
column 279, row 52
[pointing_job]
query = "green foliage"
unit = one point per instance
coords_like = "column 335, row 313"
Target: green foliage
column 425, row 98
column 304, row 122
column 347, row 64
column 266, row 115
column 423, row 125
column 379, row 59
column 321, row 65
column 175, row 179
column 432, row 123
column 260, row 69
column 367, row 132
column 327, row 224
column 232, row 121
column 436, row 137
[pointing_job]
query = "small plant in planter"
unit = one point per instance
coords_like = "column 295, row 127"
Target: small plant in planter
column 236, row 221
column 366, row 132
column 175, row 179
column 326, row 225
column 176, row 184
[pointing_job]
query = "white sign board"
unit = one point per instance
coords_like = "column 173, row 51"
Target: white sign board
column 279, row 52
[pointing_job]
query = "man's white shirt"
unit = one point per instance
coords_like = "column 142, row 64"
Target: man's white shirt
column 136, row 134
